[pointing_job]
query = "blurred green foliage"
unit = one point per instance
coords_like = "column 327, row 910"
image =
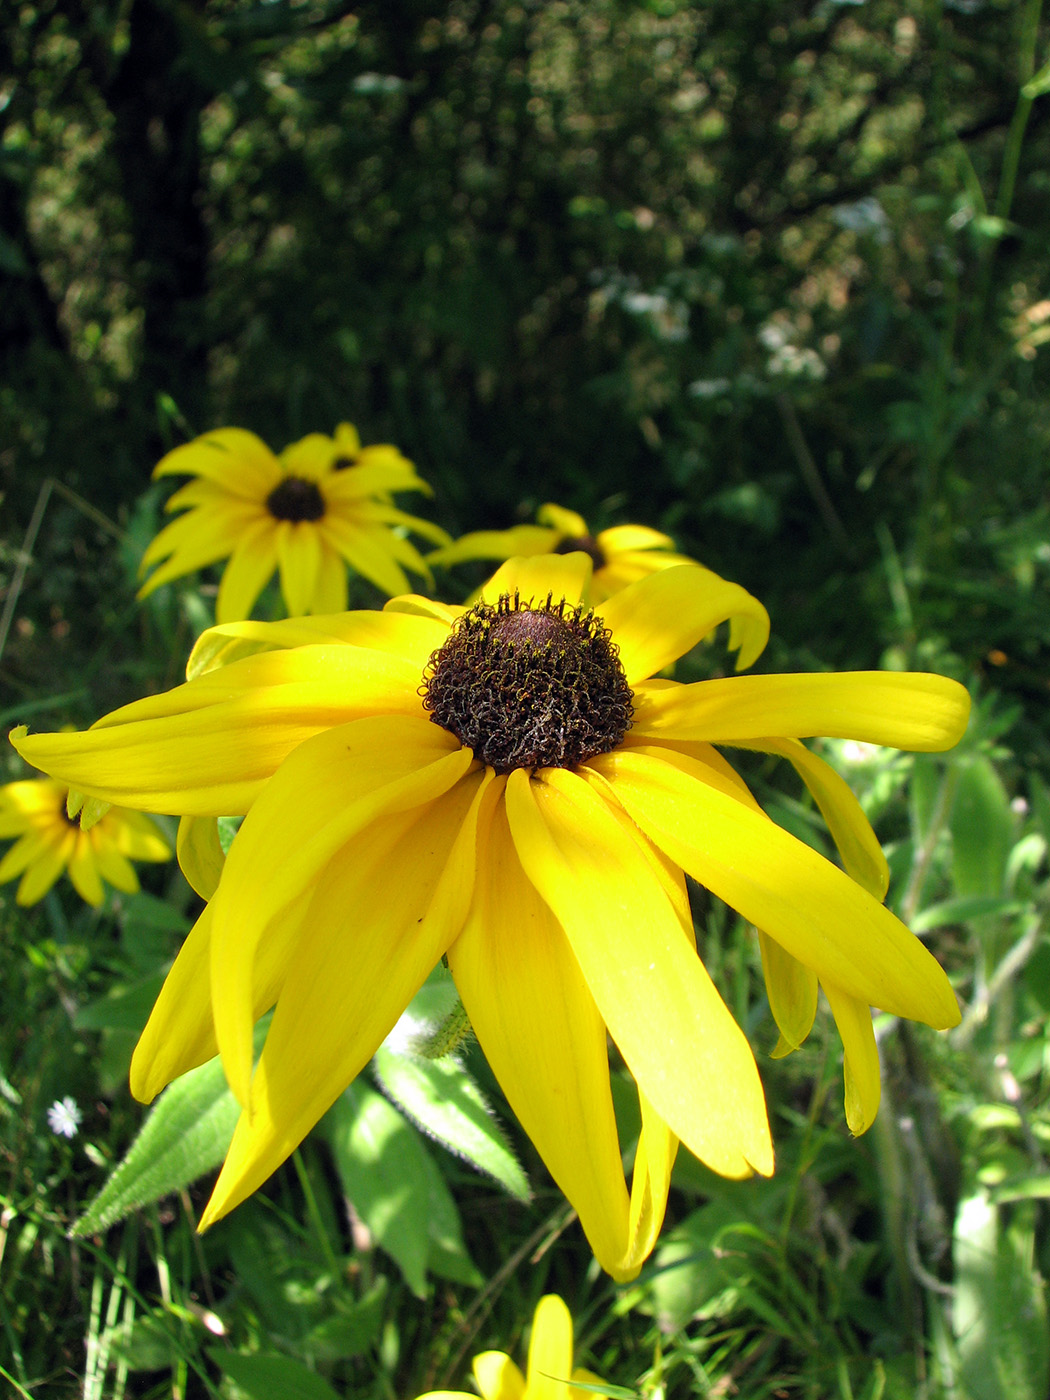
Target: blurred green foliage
column 753, row 273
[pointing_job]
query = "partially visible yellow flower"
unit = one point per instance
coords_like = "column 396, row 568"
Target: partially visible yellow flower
column 50, row 842
column 549, row 1371
column 322, row 504
column 619, row 555
column 514, row 788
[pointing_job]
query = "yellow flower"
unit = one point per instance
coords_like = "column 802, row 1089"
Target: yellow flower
column 512, row 787
column 620, row 555
column 550, row 1373
column 323, row 504
column 50, row 842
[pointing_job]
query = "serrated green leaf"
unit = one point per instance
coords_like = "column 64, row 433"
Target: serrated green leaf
column 999, row 1305
column 392, row 1182
column 187, row 1133
column 268, row 1376
column 441, row 1097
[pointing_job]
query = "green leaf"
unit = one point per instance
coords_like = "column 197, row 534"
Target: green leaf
column 394, row 1186
column 1037, row 84
column 267, row 1376
column 127, row 1009
column 186, row 1134
column 442, row 1098
column 961, row 909
column 999, row 1306
column 982, row 827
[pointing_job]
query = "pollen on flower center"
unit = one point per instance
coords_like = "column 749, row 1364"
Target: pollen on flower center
column 583, row 544
column 296, row 499
column 529, row 687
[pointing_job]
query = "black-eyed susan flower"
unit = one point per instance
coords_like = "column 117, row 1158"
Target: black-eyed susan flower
column 511, row 787
column 322, row 504
column 549, row 1373
column 620, row 555
column 50, row 842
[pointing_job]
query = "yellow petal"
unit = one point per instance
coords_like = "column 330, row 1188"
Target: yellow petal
column 653, row 1160
column 411, row 638
column 114, row 867
column 815, row 911
column 862, row 856
column 85, row 877
column 550, row 1350
column 523, row 540
column 368, row 550
column 299, row 557
column 206, row 748
column 347, row 984
column 558, row 575
column 697, row 1069
column 327, row 790
column 620, row 538
column 330, row 590
column 863, row 1082
column 498, row 1377
column 250, row 569
column 661, row 617
column 232, row 457
column 566, row 522
column 41, row 875
column 540, row 1030
column 792, row 991
column 200, row 854
column 906, row 710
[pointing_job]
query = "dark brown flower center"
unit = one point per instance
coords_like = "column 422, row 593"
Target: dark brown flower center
column 529, row 687
column 584, row 544
column 340, row 464
column 296, row 499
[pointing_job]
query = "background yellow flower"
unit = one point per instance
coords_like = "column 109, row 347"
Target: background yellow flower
column 49, row 842
column 324, row 503
column 549, row 1374
column 619, row 555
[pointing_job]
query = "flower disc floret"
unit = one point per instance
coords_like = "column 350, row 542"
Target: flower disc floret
column 296, row 499
column 529, row 687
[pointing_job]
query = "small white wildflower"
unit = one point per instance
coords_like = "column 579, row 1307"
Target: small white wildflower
column 63, row 1117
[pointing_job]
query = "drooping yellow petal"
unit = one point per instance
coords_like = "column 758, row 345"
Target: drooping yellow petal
column 862, row 856
column 200, row 854
column 792, row 991
column 111, row 865
column 814, row 910
column 549, row 1366
column 353, row 774
column 252, row 565
column 42, row 874
column 860, row 1066
column 906, row 710
column 697, row 1071
column 331, row 594
column 540, row 1030
column 83, row 871
column 498, row 1377
column 193, row 542
column 299, row 557
column 659, row 618
column 650, row 1183
column 206, row 748
column 343, row 995
column 368, row 553
column 559, row 575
